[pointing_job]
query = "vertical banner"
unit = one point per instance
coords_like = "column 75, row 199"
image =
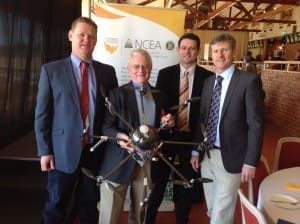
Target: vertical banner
column 122, row 28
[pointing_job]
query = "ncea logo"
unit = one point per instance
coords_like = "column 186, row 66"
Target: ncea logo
column 147, row 44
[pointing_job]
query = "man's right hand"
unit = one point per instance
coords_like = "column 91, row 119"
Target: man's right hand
column 47, row 163
column 195, row 163
column 124, row 141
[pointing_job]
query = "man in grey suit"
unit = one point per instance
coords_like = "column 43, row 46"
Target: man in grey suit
column 61, row 134
column 137, row 103
column 236, row 144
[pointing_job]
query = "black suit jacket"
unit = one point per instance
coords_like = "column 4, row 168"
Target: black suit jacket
column 124, row 101
column 242, row 119
column 168, row 82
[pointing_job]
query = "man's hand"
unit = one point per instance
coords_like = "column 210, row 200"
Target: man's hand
column 167, row 121
column 47, row 163
column 124, row 141
column 195, row 163
column 248, row 173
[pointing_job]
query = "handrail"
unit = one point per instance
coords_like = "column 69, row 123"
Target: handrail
column 290, row 66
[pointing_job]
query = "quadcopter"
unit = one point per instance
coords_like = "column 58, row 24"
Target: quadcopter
column 147, row 144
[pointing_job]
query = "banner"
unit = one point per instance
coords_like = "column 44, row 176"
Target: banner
column 123, row 27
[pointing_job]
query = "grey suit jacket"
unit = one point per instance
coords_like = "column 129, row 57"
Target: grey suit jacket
column 124, row 101
column 58, row 122
column 242, row 119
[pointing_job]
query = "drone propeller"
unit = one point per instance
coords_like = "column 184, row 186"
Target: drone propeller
column 192, row 181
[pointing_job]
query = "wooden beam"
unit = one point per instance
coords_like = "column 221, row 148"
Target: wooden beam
column 215, row 13
column 282, row 2
column 270, row 13
column 250, row 20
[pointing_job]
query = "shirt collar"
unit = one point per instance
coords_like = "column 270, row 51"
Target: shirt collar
column 76, row 61
column 227, row 73
column 191, row 69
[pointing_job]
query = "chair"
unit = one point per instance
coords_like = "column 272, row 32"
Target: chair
column 287, row 153
column 250, row 214
column 261, row 172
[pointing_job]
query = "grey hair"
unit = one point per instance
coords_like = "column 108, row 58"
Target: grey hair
column 140, row 51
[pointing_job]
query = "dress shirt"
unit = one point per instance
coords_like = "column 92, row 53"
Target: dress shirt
column 92, row 87
column 227, row 74
column 191, row 75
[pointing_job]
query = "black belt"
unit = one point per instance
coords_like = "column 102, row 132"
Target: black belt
column 216, row 147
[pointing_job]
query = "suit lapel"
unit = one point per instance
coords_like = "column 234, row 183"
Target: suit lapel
column 177, row 80
column 134, row 107
column 71, row 82
column 233, row 82
column 156, row 97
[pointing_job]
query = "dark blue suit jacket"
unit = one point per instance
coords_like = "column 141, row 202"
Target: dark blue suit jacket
column 58, row 122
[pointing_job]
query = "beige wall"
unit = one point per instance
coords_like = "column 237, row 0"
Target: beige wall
column 207, row 35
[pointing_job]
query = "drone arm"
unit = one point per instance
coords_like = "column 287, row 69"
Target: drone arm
column 113, row 112
column 174, row 169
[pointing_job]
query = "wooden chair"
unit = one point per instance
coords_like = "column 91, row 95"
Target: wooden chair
column 287, row 153
column 250, row 214
column 261, row 172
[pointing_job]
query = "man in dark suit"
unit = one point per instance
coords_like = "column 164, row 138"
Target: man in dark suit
column 61, row 133
column 137, row 103
column 168, row 81
column 235, row 147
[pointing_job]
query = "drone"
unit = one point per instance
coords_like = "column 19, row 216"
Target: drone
column 147, row 144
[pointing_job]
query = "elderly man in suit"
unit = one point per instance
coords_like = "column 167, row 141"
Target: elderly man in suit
column 62, row 132
column 232, row 109
column 169, row 81
column 138, row 104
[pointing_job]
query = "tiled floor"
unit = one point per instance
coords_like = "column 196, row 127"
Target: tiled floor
column 22, row 185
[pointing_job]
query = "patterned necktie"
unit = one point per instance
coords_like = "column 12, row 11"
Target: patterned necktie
column 84, row 95
column 213, row 116
column 182, row 116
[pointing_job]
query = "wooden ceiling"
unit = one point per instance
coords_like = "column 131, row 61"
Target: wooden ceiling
column 230, row 15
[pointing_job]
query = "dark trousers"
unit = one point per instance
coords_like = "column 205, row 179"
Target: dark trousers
column 183, row 197
column 69, row 193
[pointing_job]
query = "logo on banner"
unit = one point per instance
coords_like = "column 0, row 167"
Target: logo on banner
column 170, row 45
column 111, row 44
column 128, row 44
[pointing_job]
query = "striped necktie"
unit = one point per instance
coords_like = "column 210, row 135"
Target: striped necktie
column 182, row 116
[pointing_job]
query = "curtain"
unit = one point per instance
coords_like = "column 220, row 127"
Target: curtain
column 32, row 32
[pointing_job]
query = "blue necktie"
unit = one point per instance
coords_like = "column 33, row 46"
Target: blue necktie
column 213, row 116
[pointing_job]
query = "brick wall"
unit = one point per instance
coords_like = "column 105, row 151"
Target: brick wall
column 283, row 100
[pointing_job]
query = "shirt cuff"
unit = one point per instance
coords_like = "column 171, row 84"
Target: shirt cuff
column 195, row 153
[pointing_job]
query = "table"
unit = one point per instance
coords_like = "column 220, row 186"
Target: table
column 273, row 184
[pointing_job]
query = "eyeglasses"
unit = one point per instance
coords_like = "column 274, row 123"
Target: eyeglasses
column 143, row 67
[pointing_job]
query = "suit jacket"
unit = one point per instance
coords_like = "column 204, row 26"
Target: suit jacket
column 124, row 101
column 58, row 122
column 242, row 119
column 168, row 81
